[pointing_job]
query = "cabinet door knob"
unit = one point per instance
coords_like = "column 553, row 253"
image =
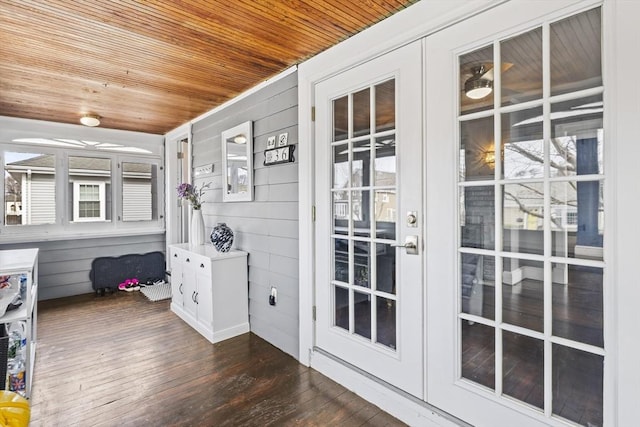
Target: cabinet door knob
column 175, row 255
column 201, row 265
column 188, row 260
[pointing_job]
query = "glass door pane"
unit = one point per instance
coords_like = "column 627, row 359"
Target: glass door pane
column 364, row 211
column 368, row 293
column 534, row 219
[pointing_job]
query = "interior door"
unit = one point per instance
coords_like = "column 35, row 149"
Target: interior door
column 369, row 293
column 515, row 270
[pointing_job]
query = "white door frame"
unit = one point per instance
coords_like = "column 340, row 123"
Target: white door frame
column 418, row 21
column 172, row 210
column 445, row 389
column 623, row 129
column 404, row 364
column 404, row 27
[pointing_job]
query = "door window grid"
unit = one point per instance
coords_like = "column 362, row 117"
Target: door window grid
column 554, row 340
column 362, row 195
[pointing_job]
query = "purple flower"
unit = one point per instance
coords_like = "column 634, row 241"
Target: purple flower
column 184, row 190
column 192, row 193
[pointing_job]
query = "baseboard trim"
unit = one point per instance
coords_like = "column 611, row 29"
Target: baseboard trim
column 403, row 406
column 229, row 333
column 210, row 335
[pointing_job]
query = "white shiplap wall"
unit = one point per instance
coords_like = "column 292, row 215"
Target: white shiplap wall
column 267, row 228
column 64, row 265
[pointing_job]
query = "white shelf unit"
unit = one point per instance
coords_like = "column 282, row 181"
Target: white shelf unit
column 16, row 262
column 210, row 290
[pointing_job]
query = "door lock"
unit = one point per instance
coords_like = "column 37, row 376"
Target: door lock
column 412, row 219
column 410, row 244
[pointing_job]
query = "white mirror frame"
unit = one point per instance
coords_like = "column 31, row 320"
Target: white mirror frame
column 243, row 130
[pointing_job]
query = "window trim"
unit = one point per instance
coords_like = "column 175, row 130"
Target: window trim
column 76, row 201
column 157, row 208
column 65, row 227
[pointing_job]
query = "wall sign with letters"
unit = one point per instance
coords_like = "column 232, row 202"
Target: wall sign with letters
column 279, row 155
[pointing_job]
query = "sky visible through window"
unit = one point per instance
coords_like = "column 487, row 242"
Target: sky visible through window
column 10, row 157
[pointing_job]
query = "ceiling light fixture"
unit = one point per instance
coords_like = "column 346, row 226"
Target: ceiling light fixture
column 240, row 139
column 91, row 120
column 477, row 86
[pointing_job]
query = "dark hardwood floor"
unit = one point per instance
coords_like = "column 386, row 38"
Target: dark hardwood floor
column 121, row 360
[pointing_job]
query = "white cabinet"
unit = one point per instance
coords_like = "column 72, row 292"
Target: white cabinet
column 210, row 290
column 18, row 262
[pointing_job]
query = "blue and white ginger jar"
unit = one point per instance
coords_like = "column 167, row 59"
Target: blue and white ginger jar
column 222, row 237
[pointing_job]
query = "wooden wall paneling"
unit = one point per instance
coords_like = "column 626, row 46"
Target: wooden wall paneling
column 152, row 66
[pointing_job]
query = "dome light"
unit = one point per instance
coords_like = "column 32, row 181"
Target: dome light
column 91, row 120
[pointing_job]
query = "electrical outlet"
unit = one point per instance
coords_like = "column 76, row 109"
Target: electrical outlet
column 273, row 297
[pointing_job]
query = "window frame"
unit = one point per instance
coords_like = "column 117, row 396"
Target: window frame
column 158, row 207
column 102, row 198
column 66, row 225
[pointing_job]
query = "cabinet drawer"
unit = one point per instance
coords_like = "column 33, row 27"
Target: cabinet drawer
column 176, row 256
column 199, row 263
column 202, row 265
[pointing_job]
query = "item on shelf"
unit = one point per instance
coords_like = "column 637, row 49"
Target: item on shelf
column 16, row 357
column 4, row 355
column 16, row 381
column 10, row 282
column 16, row 303
column 222, row 237
column 19, row 334
column 7, row 296
column 23, row 285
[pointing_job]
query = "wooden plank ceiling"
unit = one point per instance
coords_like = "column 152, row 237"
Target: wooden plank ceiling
column 153, row 65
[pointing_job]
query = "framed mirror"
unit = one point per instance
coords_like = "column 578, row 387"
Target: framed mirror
column 237, row 163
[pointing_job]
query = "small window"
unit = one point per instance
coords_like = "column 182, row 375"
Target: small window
column 139, row 191
column 89, row 201
column 90, row 187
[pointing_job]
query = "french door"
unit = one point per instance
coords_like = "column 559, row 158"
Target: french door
column 515, row 278
column 369, row 293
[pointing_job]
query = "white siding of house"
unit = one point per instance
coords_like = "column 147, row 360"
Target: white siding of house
column 42, row 207
column 136, row 200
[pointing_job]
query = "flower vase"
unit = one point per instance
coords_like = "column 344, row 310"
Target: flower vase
column 196, row 231
column 222, row 237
